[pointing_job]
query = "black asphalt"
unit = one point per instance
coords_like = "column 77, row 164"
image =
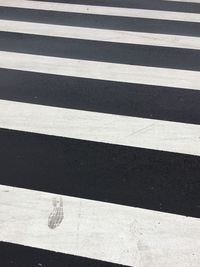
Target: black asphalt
column 101, row 21
column 145, row 55
column 143, row 178
column 136, row 177
column 143, row 4
column 13, row 255
column 154, row 102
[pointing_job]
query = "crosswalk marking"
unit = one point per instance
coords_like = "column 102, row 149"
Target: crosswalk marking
column 186, row 1
column 102, row 10
column 113, row 129
column 99, row 133
column 134, row 236
column 111, row 173
column 117, row 36
column 131, row 54
column 101, row 70
column 145, row 101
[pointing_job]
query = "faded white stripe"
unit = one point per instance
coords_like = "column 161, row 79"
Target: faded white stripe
column 97, row 230
column 128, row 37
column 102, row 10
column 101, row 70
column 100, row 127
column 184, row 1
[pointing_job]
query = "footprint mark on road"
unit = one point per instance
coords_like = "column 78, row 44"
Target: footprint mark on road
column 57, row 215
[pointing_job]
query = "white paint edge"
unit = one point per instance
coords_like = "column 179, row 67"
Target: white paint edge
column 127, row 37
column 184, row 1
column 103, row 10
column 99, row 127
column 101, row 70
column 97, row 230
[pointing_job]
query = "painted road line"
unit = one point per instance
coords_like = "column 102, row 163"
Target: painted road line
column 116, row 36
column 146, row 101
column 184, row 1
column 99, row 127
column 145, row 25
column 101, row 70
column 143, row 55
column 102, row 231
column 135, row 177
column 102, row 10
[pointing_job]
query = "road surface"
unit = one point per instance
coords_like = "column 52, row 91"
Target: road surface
column 100, row 133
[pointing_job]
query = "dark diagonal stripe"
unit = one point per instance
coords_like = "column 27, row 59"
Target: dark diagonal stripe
column 101, row 51
column 102, row 22
column 13, row 255
column 162, row 181
column 101, row 96
column 143, row 4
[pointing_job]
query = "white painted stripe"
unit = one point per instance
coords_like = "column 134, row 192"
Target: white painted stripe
column 101, row 70
column 103, row 231
column 100, row 127
column 102, row 10
column 128, row 37
column 184, row 1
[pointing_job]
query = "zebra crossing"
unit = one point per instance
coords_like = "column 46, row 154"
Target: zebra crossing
column 99, row 111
